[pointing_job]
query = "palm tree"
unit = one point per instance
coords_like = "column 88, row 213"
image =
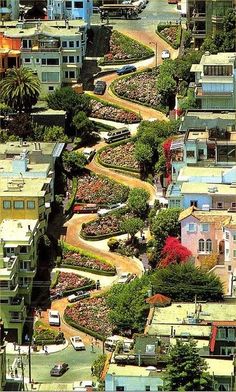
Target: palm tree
column 20, row 89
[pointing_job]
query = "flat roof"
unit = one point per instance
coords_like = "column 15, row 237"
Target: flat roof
column 191, row 171
column 50, row 112
column 220, row 367
column 129, row 370
column 177, row 314
column 17, row 148
column 224, row 58
column 207, row 119
column 18, row 187
column 6, row 168
column 15, row 230
column 200, row 187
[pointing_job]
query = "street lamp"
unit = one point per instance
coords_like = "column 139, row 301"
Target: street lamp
column 155, row 44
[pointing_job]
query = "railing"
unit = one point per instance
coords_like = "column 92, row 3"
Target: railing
column 198, row 32
column 201, row 93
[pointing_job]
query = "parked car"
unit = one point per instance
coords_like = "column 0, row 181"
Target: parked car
column 89, row 153
column 85, row 208
column 165, row 54
column 78, row 295
column 113, row 207
column 56, row 296
column 77, row 343
column 125, row 277
column 59, row 369
column 126, row 69
column 100, row 87
column 54, row 317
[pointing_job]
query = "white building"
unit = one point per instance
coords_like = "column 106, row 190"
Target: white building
column 70, row 9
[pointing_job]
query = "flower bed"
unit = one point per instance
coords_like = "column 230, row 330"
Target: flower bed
column 171, row 34
column 125, row 48
column 101, row 109
column 121, row 156
column 90, row 314
column 140, row 87
column 67, row 282
column 45, row 335
column 75, row 258
column 100, row 190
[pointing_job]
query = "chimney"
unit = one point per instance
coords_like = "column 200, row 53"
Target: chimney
column 29, row 231
column 19, row 225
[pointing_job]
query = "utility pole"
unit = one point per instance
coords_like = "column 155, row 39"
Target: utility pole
column 156, row 52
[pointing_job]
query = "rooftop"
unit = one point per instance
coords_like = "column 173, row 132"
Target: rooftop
column 15, row 230
column 187, row 171
column 129, row 370
column 15, row 187
column 224, row 58
column 6, row 168
column 199, row 119
column 200, row 187
column 220, row 367
column 219, row 217
column 17, row 147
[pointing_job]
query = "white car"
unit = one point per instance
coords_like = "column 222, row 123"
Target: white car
column 89, row 153
column 83, row 386
column 104, row 211
column 77, row 343
column 125, row 277
column 54, row 317
column 165, row 54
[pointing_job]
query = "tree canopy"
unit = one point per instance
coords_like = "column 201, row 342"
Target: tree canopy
column 186, row 370
column 67, row 99
column 132, row 226
column 174, row 252
column 73, row 162
column 137, row 201
column 20, row 89
column 83, row 126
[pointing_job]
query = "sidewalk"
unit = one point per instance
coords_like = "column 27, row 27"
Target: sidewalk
column 24, row 349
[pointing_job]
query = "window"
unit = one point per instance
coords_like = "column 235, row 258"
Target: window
column 71, row 44
column 6, row 204
column 227, row 235
column 120, row 389
column 78, row 4
column 234, row 253
column 19, row 204
column 68, row 4
column 71, row 59
column 219, row 205
column 23, row 249
column 4, row 301
column 69, row 74
column 50, row 61
column 191, row 227
column 147, row 388
column 23, row 282
column 24, row 265
column 231, row 334
column 205, row 227
column 37, row 60
column 50, row 77
column 193, row 203
column 77, row 44
column 233, row 205
column 221, row 333
column 10, row 251
column 234, row 236
column 201, row 245
column 190, row 154
column 50, row 88
column 64, row 44
column 208, row 245
column 31, row 205
column 64, row 59
column 27, row 60
column 77, row 59
column 26, row 43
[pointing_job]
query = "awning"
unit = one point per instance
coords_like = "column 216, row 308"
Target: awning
column 213, row 338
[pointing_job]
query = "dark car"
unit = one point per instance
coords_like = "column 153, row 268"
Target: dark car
column 59, row 369
column 126, row 69
column 78, row 295
column 100, row 87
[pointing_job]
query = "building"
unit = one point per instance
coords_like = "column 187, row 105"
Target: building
column 9, row 54
column 215, row 81
column 54, row 50
column 205, row 17
column 211, row 237
column 26, row 193
column 9, row 9
column 70, row 9
column 2, row 357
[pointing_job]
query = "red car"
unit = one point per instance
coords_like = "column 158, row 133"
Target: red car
column 85, row 208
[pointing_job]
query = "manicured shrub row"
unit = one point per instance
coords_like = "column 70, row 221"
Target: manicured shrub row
column 92, row 271
column 73, row 324
column 72, row 198
column 45, row 335
column 107, row 111
column 113, row 155
column 66, row 283
column 99, row 237
column 171, row 34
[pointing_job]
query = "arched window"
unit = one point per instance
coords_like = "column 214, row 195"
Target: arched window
column 208, row 245
column 201, row 245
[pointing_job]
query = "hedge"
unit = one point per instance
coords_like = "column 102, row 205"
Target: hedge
column 113, row 145
column 92, row 271
column 70, row 202
column 45, row 341
column 99, row 237
column 106, row 103
column 55, row 280
column 90, row 332
column 177, row 42
column 103, row 62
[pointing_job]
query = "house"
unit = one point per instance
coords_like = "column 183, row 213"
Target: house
column 9, row 10
column 54, row 50
column 215, row 81
column 211, row 238
column 70, row 9
column 9, row 54
column 205, row 17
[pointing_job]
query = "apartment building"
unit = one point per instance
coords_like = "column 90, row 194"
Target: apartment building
column 215, row 81
column 212, row 232
column 54, row 50
column 205, row 17
column 26, row 193
column 70, row 9
column 9, row 9
column 9, row 54
column 2, row 357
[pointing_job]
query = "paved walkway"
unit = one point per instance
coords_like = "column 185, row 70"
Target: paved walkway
column 24, row 349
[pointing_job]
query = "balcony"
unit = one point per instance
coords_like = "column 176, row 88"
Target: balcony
column 199, row 33
column 200, row 93
column 17, row 304
column 10, row 290
column 199, row 16
column 28, row 273
column 43, row 46
column 9, row 267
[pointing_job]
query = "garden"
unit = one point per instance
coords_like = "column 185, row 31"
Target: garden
column 123, row 48
column 67, row 282
column 140, row 87
column 121, row 156
column 171, row 34
column 100, row 190
column 106, row 226
column 45, row 335
column 102, row 109
column 76, row 258
column 91, row 316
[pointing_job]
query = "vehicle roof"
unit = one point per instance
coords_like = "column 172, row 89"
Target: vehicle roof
column 54, row 312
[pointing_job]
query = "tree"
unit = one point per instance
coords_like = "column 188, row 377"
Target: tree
column 20, row 89
column 143, row 154
column 84, row 127
column 21, row 126
column 132, row 226
column 174, row 252
column 165, row 224
column 67, row 99
column 166, row 86
column 98, row 365
column 128, row 309
column 137, row 201
column 186, row 370
column 54, row 134
column 73, row 162
column 181, row 282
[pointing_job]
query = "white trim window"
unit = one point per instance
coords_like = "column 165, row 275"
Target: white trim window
column 209, row 245
column 204, row 227
column 191, row 228
column 201, row 245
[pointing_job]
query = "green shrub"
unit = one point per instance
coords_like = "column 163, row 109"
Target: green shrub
column 70, row 202
column 90, row 332
column 113, row 244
